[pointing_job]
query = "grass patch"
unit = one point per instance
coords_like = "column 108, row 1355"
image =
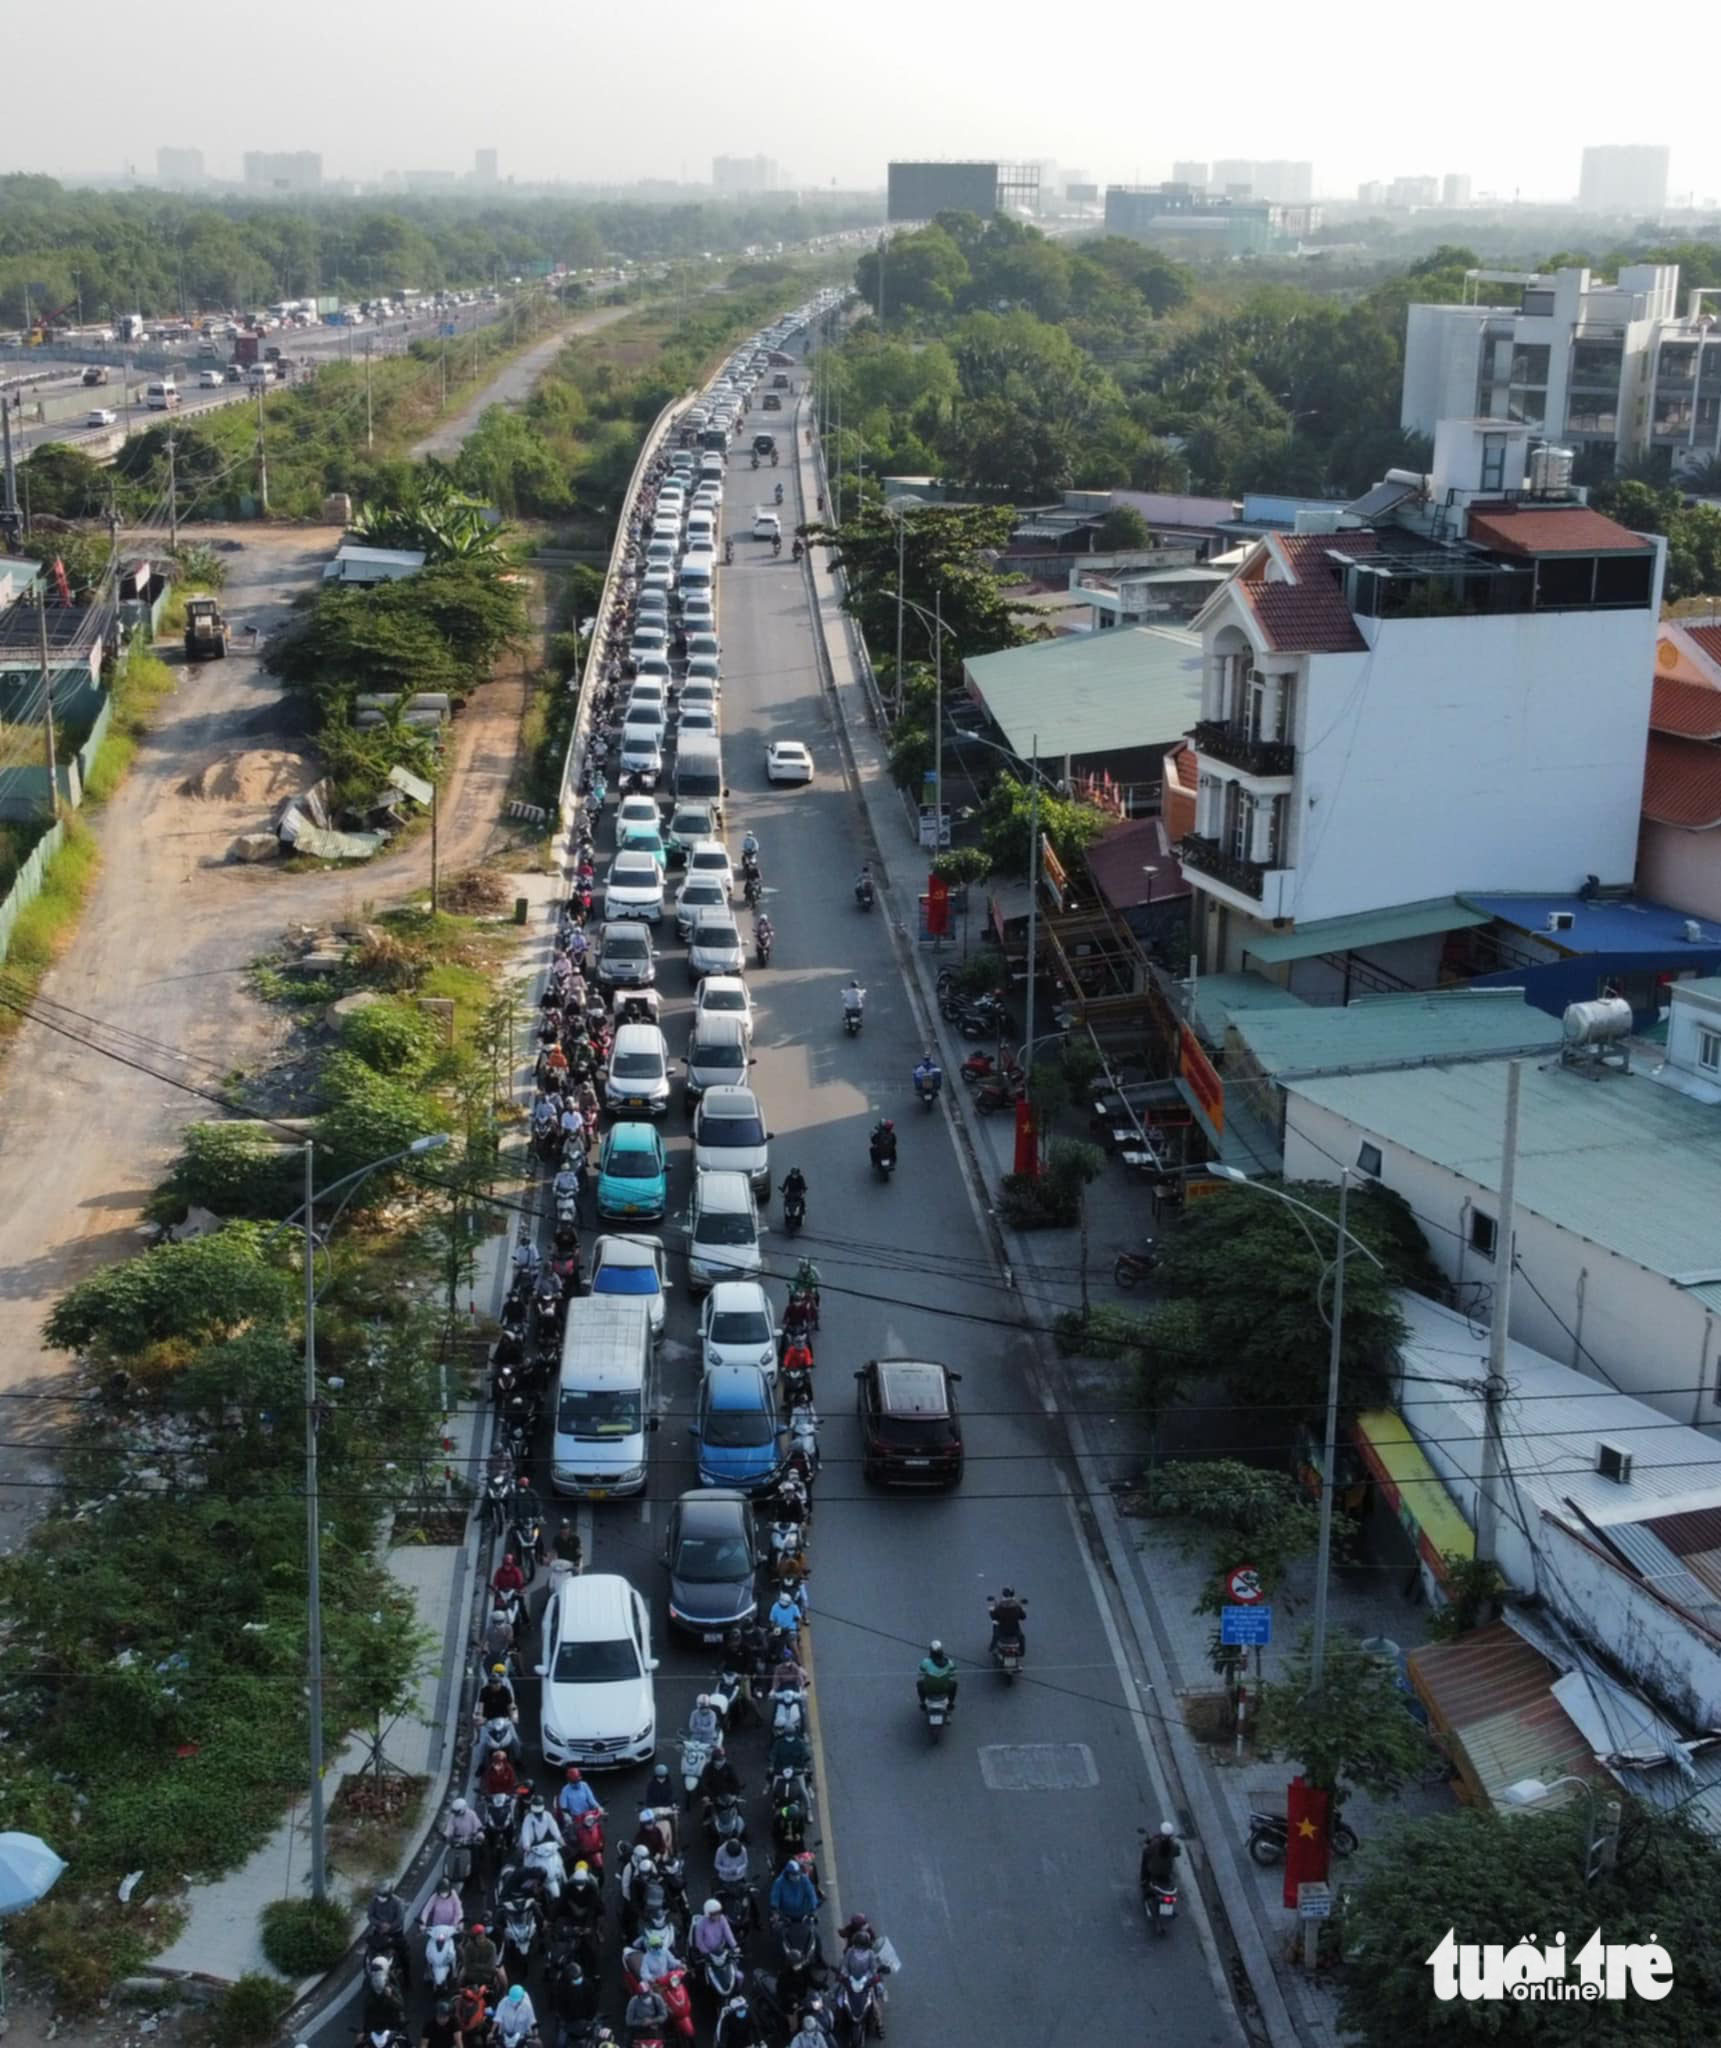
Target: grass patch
column 46, row 926
column 144, row 680
column 84, row 1952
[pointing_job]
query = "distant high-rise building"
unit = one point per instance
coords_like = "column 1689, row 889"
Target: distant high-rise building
column 1233, row 173
column 1455, row 189
column 1624, row 177
column 1274, row 179
column 1283, row 182
column 743, row 173
column 179, row 166
column 283, row 170
column 917, row 191
column 1413, row 192
column 484, row 166
column 1190, row 173
column 1372, row 192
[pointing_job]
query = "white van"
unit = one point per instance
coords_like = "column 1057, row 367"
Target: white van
column 701, row 529
column 605, row 1398
column 722, row 1231
column 698, row 770
column 698, row 572
column 162, row 397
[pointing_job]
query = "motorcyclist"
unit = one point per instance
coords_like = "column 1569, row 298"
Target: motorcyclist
column 779, row 495
column 650, row 1835
column 797, row 1353
column 928, row 1073
column 712, row 1933
column 764, row 933
column 798, row 550
column 736, row 2026
column 730, row 1861
column 508, row 1582
column 539, row 1825
column 526, row 1253
column 515, row 2017
column 462, row 1831
column 749, row 846
column 441, row 2027
column 497, row 1697
column 498, row 1733
column 528, row 1512
column 653, row 1960
column 936, row 1678
column 794, row 1185
column 383, row 2011
column 480, row 1964
column 442, row 1908
column 786, row 1611
column 721, row 1779
column 794, row 1896
column 577, row 1797
column 854, row 999
column 385, row 1922
column 1159, row 1856
column 703, row 1724
column 584, row 1898
column 1009, row 1612
column 646, row 2013
column 728, row 548
column 497, row 1774
column 881, row 1142
column 863, row 881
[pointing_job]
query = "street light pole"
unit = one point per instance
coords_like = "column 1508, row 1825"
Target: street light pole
column 937, row 713
column 899, row 539
column 1324, row 1551
column 1033, row 903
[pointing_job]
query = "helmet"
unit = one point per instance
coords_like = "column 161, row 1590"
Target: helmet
column 444, row 2011
column 582, row 1872
column 641, row 1854
column 738, row 2006
column 459, row 1806
column 573, row 1774
column 516, row 1994
column 704, row 1700
column 1166, row 1829
column 538, row 1803
column 498, row 1671
column 1009, row 1593
column 805, row 1859
column 657, row 1938
column 385, row 1890
column 935, row 1648
column 478, row 1929
column 647, row 1816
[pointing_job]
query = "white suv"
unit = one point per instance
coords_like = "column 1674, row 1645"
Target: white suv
column 598, row 1706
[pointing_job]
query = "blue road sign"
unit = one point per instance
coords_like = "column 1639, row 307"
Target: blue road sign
column 448, row 327
column 1247, row 1627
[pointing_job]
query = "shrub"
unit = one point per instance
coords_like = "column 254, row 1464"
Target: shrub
column 1031, row 1202
column 302, row 1937
column 232, row 1169
column 250, row 2010
column 206, row 1288
column 391, row 1037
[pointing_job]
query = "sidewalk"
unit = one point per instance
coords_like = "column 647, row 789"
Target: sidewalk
column 221, row 1937
column 1157, row 1586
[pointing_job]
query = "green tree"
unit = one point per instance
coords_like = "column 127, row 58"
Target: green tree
column 62, row 482
column 1245, row 1515
column 208, row 1287
column 1123, row 527
column 1355, row 1732
column 924, row 272
column 1491, row 1880
column 1005, row 817
column 947, row 563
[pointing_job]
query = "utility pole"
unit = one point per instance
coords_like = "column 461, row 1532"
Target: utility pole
column 837, row 472
column 444, row 406
column 1499, row 1327
column 369, row 435
column 435, row 895
column 10, row 518
column 1329, row 1475
column 1033, row 910
column 937, row 723
column 172, row 494
column 262, row 456
column 48, row 699
column 313, row 1534
column 901, row 515
column 881, row 250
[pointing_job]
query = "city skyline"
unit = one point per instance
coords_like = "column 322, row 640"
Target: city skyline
column 1282, row 110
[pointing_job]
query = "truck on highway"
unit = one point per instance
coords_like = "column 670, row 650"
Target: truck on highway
column 131, row 327
column 96, row 374
column 247, row 349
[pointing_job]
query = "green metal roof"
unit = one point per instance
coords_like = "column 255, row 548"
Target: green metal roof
column 1092, row 693
column 1218, row 995
column 1620, row 1160
column 1401, row 1030
column 1366, row 928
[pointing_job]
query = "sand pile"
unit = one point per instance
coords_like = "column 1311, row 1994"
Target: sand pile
column 261, row 775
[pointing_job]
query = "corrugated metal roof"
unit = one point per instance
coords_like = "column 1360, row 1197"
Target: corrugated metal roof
column 1365, row 928
column 1217, row 996
column 1490, row 1692
column 1396, row 1030
column 1092, row 693
column 1642, row 1549
column 1622, row 1162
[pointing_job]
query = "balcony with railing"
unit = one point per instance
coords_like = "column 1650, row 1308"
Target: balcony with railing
column 1229, row 740
column 1208, row 857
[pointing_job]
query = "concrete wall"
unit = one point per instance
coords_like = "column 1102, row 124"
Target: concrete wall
column 1680, row 868
column 1647, row 1335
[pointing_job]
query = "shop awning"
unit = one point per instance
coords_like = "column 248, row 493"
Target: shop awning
column 1367, row 928
column 1412, row 1488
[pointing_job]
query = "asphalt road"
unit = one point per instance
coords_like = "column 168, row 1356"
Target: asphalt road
column 1001, row 1862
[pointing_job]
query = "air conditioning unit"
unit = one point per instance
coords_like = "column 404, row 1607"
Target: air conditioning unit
column 1613, row 1463
column 1561, row 920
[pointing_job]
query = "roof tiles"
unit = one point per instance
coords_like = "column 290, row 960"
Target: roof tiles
column 1692, row 710
column 1708, row 638
column 1551, row 530
column 1682, row 783
column 1310, row 615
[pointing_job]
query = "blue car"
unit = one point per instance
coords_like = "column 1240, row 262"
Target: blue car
column 738, row 1430
column 633, row 1173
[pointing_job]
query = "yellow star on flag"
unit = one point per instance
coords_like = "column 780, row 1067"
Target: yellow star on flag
column 1306, row 1828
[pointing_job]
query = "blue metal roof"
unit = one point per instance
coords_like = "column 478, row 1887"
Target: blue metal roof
column 1627, row 925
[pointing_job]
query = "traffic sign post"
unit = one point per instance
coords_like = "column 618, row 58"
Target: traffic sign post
column 1314, row 1904
column 1243, row 1586
column 1249, row 1627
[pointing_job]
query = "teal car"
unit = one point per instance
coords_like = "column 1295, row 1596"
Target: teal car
column 642, row 839
column 633, row 1172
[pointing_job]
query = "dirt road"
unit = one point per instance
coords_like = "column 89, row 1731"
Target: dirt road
column 515, row 383
column 159, row 969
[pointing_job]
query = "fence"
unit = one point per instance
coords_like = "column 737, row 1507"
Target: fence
column 27, row 884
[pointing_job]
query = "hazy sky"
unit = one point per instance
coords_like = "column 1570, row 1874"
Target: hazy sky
column 572, row 89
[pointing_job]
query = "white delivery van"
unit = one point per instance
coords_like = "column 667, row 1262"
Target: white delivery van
column 162, row 397
column 606, row 1397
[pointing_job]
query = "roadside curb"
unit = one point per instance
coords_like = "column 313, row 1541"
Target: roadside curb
column 1182, row 1767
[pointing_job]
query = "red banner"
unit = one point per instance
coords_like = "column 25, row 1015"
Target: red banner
column 938, row 906
column 1027, row 1144
column 1201, row 1078
column 60, row 583
column 1306, row 1840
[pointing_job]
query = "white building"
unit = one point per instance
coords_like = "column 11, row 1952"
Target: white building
column 283, row 170
column 1448, row 689
column 1617, row 1271
column 1455, row 189
column 1624, row 177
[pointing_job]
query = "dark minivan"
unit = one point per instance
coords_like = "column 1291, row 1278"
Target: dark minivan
column 911, row 1433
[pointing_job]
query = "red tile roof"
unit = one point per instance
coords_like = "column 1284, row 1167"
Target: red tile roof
column 1708, row 638
column 1691, row 710
column 1309, row 616
column 1551, row 530
column 1116, row 861
column 1682, row 783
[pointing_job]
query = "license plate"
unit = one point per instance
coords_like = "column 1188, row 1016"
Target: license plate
column 917, row 1464
column 711, row 1635
column 597, row 1493
column 636, row 1102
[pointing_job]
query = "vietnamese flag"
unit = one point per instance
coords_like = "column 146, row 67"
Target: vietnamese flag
column 1308, row 1812
column 65, row 588
column 937, row 906
column 1027, row 1144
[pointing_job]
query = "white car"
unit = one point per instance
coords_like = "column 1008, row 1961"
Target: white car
column 711, row 857
column 722, row 1231
column 788, row 761
column 636, row 810
column 634, row 887
column 767, row 526
column 699, row 893
column 100, row 416
column 642, row 755
column 210, row 380
column 703, row 643
column 634, row 1268
column 697, row 718
column 715, row 945
column 736, row 1326
column 724, row 995
column 703, row 668
column 598, row 1706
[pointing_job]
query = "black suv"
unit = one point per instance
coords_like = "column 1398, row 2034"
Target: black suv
column 911, row 1432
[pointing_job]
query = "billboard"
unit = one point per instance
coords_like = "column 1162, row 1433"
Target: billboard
column 918, row 191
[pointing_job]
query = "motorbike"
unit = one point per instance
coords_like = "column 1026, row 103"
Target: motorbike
column 800, row 1943
column 672, row 1989
column 1001, row 1092
column 778, row 499
column 788, row 1714
column 865, row 892
column 927, row 1088
column 985, row 1017
column 526, row 1535
column 937, row 1708
column 979, row 1066
column 883, row 1159
column 776, row 544
column 440, row 1955
column 1131, row 1266
column 794, row 1212
column 852, row 1021
column 725, row 1819
column 545, row 1860
column 1007, row 1654
column 500, row 1812
column 762, row 947
column 519, row 1932
column 722, row 1974
column 695, row 1755
column 588, row 1832
column 728, row 550
column 856, row 1998
column 1159, row 1902
column 1268, row 1833
column 796, row 1386
column 752, row 888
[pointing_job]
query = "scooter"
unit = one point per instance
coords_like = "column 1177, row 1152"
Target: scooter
column 439, row 1956
column 588, row 1831
column 852, row 1021
column 864, row 892
column 1007, row 1654
column 883, row 1161
column 999, row 1092
column 856, row 1998
column 927, row 1090
column 1129, row 1267
column 1159, row 1901
column 937, row 1708
column 545, row 1859
column 695, row 1755
column 1268, row 1833
column 794, row 1212
column 762, row 947
column 722, row 1974
column 672, row 1989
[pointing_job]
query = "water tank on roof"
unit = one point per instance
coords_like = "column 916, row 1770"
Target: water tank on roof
column 1551, row 472
column 1599, row 1022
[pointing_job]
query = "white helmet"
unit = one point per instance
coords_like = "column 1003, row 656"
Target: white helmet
column 713, row 1907
column 1165, row 1828
column 459, row 1806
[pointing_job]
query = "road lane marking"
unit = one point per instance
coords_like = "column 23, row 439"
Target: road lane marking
column 821, row 1781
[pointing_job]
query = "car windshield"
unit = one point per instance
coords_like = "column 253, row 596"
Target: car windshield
column 724, row 1226
column 725, row 999
column 598, row 1412
column 635, row 1066
column 595, row 1663
column 625, row 1280
column 708, row 1559
column 626, row 946
column 731, row 1130
column 739, row 1429
column 634, row 868
column 741, row 1326
column 632, row 1165
column 717, row 1057
column 702, row 891
column 713, row 858
column 722, row 938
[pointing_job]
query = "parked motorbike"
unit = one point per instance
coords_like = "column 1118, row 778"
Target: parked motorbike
column 1131, row 1266
column 1001, row 1092
column 1268, row 1833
